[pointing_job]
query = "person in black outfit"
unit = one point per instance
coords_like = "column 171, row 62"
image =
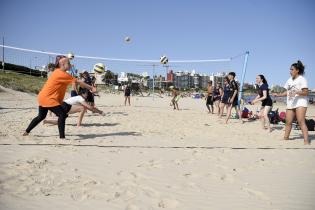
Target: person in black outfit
column 233, row 100
column 209, row 99
column 266, row 102
column 127, row 94
column 88, row 80
column 217, row 94
column 225, row 96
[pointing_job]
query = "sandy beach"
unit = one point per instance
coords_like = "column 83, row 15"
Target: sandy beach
column 148, row 156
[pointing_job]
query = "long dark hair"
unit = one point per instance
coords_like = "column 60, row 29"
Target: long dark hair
column 83, row 91
column 227, row 79
column 262, row 77
column 299, row 66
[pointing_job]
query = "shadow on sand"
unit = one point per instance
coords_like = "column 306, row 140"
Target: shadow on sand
column 95, row 124
column 92, row 136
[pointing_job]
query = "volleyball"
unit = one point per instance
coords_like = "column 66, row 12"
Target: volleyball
column 164, row 60
column 127, row 39
column 70, row 55
column 99, row 68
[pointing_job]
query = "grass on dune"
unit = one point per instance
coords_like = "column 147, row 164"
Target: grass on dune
column 21, row 82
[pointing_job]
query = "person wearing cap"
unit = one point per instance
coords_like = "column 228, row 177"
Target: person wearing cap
column 52, row 94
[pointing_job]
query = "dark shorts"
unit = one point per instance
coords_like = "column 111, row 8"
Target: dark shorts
column 267, row 102
column 235, row 102
column 90, row 97
column 127, row 94
column 216, row 98
column 225, row 100
column 73, row 93
column 66, row 107
column 209, row 100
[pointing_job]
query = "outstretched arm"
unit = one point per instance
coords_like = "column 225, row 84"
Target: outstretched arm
column 84, row 85
column 92, row 109
column 280, row 94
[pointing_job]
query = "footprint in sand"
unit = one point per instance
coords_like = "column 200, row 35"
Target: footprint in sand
column 256, row 193
column 132, row 207
column 227, row 178
column 167, row 203
column 151, row 164
column 152, row 193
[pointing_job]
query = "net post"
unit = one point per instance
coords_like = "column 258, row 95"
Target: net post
column 243, row 77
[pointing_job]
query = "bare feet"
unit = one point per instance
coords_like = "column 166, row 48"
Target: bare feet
column 307, row 143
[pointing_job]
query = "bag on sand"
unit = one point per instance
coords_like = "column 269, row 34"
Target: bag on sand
column 245, row 113
column 282, row 116
column 310, row 123
column 274, row 117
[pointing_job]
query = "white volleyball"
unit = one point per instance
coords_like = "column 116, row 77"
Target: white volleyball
column 99, row 68
column 127, row 39
column 70, row 55
column 164, row 60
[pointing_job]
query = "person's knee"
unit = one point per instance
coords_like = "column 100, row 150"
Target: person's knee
column 82, row 109
column 301, row 122
column 41, row 117
column 288, row 122
column 62, row 116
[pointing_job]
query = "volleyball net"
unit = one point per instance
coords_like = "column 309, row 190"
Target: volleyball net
column 187, row 72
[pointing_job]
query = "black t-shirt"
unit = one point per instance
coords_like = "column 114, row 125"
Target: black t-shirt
column 262, row 88
column 127, row 90
column 233, row 87
column 88, row 81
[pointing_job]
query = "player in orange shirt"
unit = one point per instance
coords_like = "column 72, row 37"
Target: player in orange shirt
column 52, row 94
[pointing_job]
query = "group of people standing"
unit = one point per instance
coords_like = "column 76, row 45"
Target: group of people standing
column 226, row 96
column 51, row 98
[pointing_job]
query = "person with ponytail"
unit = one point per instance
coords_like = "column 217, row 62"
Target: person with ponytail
column 266, row 102
column 297, row 92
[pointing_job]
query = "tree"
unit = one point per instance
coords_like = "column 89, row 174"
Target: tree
column 109, row 76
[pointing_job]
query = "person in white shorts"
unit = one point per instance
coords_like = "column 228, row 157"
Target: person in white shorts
column 297, row 92
column 77, row 104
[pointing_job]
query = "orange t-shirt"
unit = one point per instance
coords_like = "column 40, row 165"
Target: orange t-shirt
column 55, row 88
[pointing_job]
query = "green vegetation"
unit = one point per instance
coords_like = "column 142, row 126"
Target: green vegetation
column 21, row 82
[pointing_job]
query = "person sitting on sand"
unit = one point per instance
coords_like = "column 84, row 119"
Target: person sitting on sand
column 176, row 97
column 264, row 97
column 77, row 104
column 52, row 94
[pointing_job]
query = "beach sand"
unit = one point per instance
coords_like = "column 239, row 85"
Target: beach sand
column 149, row 156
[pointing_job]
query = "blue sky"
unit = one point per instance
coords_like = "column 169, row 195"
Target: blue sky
column 276, row 33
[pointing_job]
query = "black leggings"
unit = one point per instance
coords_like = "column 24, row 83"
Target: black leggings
column 42, row 112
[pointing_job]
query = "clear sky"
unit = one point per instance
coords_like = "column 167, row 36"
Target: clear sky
column 275, row 32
